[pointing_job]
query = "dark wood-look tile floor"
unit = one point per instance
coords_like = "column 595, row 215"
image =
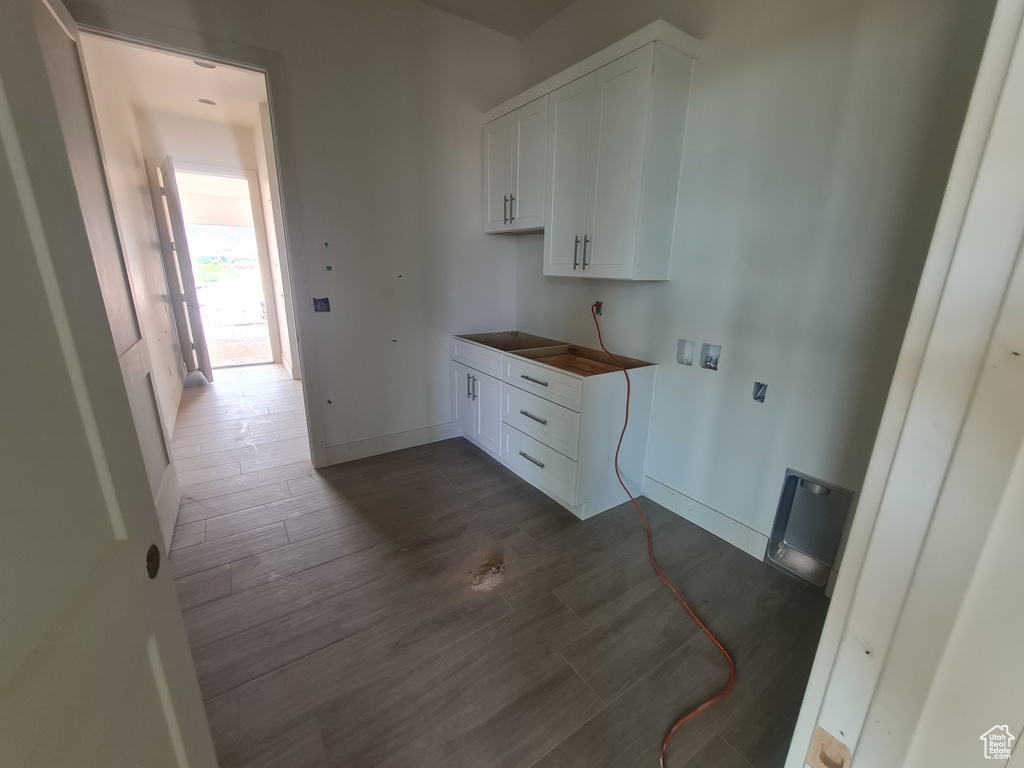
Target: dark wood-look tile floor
column 351, row 617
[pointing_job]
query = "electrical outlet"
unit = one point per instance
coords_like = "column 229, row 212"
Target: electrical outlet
column 710, row 355
column 599, row 307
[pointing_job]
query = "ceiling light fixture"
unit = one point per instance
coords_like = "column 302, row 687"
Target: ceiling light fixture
column 204, row 64
column 207, row 101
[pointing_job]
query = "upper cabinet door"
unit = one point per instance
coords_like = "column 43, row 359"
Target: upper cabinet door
column 570, row 115
column 529, row 153
column 497, row 174
column 622, row 94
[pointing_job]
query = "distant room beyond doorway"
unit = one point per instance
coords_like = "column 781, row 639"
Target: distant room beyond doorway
column 225, row 256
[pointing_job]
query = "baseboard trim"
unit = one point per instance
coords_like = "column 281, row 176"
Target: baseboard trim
column 724, row 527
column 288, row 367
column 167, row 501
column 360, row 449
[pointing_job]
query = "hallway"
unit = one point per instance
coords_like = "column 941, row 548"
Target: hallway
column 250, row 419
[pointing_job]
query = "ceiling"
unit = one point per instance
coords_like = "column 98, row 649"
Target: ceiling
column 167, row 82
column 517, row 18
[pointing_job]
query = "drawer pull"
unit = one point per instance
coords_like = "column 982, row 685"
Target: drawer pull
column 535, row 381
column 538, row 419
column 532, row 460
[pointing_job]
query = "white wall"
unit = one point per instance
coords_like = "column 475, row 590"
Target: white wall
column 270, row 200
column 198, row 142
column 818, row 143
column 216, row 209
column 124, row 162
column 383, row 108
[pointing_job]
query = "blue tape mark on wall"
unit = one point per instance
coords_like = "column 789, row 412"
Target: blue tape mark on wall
column 321, row 305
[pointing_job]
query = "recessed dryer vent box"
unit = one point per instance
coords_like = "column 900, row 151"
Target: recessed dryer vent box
column 809, row 525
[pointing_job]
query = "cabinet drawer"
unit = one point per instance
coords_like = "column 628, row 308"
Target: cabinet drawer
column 542, row 380
column 551, row 424
column 538, row 464
column 481, row 358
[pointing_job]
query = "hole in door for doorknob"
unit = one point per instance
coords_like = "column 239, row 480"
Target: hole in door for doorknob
column 153, row 561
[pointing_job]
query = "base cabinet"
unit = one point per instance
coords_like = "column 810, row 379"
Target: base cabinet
column 540, row 465
column 462, row 398
column 554, row 428
column 487, row 397
column 476, row 410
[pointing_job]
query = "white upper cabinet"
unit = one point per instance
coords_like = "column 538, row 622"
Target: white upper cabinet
column 592, row 156
column 529, row 165
column 570, row 110
column 515, row 147
column 616, row 146
column 621, row 95
column 497, row 173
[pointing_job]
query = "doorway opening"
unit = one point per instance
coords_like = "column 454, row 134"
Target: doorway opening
column 199, row 134
column 190, row 159
column 227, row 263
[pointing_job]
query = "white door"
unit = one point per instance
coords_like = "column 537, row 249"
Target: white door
column 76, row 121
column 94, row 663
column 170, row 267
column 497, row 173
column 462, row 398
column 169, row 204
column 622, row 92
column 529, row 150
column 487, row 402
column 570, row 110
